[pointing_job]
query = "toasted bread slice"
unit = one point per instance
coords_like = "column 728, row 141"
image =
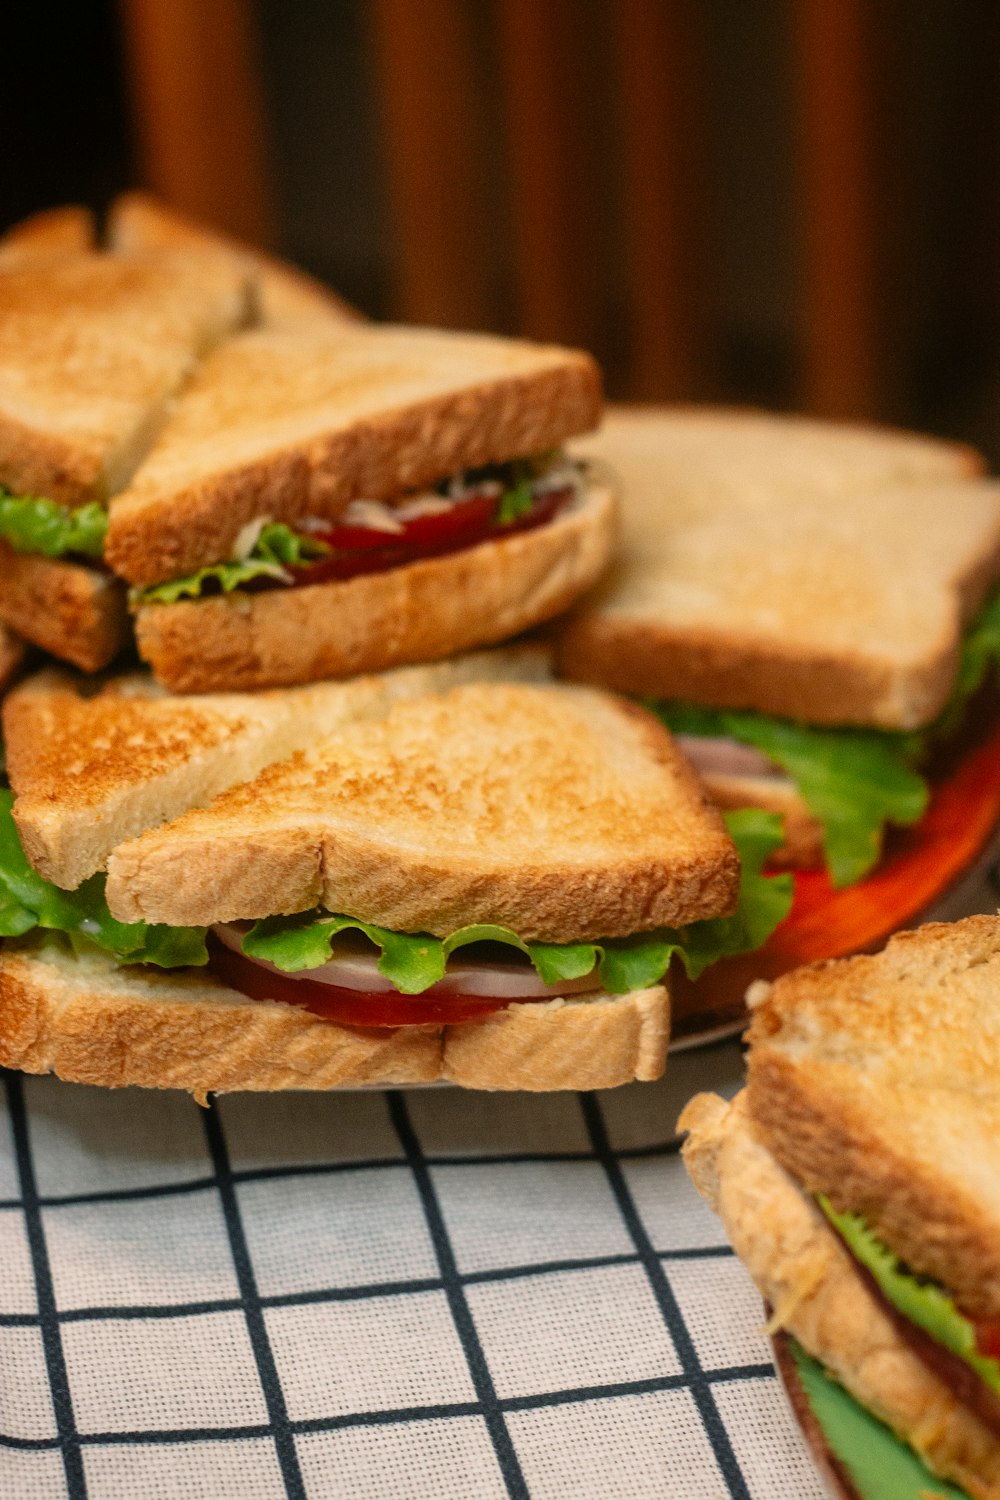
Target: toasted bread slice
column 76, row 612
column 298, row 421
column 797, row 568
column 138, row 221
column 811, row 1281
column 53, row 231
column 420, row 612
column 877, row 1082
column 11, row 656
column 90, row 1020
column 92, row 765
column 559, row 811
column 92, row 348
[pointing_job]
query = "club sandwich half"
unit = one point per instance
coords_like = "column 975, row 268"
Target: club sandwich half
column 328, row 500
column 858, row 1178
column 461, row 871
column 810, row 607
column 93, row 349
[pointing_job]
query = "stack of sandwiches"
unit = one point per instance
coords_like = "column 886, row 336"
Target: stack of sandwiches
column 856, row 1177
column 341, row 829
column 205, row 453
column 326, row 842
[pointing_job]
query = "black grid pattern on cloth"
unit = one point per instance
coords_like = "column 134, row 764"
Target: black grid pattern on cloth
column 630, row 1256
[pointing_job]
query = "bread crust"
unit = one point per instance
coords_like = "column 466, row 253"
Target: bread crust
column 50, row 231
column 421, row 612
column 77, row 613
column 131, row 331
column 317, row 417
column 560, row 812
column 761, row 563
column 873, row 1080
column 89, row 1020
column 811, row 1282
column 92, row 766
column 777, row 676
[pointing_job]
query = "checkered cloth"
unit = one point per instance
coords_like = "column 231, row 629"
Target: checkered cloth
column 375, row 1296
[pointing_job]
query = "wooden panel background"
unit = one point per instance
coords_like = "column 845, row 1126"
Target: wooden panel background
column 551, row 168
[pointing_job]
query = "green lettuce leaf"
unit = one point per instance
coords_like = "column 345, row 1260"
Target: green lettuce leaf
column 32, row 524
column 415, row 961
column 853, row 781
column 924, row 1302
column 880, row 1466
column 980, row 655
column 28, row 901
column 276, row 549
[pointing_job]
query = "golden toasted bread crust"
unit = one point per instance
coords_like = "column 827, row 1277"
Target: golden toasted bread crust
column 130, row 329
column 92, row 765
column 315, row 417
column 772, row 677
column 813, row 1285
column 427, row 610
column 52, row 231
column 92, row 1021
column 874, row 1080
column 77, row 613
column 772, row 564
column 138, row 221
column 558, row 811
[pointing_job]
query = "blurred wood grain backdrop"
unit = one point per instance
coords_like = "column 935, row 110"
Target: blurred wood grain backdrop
column 788, row 202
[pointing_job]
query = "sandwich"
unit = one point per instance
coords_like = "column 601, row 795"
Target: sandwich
column 53, row 231
column 858, row 1178
column 139, row 221
column 460, row 871
column 812, row 608
column 330, row 500
column 92, row 351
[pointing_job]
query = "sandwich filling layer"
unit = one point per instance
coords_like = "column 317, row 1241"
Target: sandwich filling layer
column 31, row 523
column 346, row 969
column 963, row 1353
column 375, row 536
column 369, row 537
column 853, row 781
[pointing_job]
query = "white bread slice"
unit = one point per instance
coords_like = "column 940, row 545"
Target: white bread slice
column 53, row 231
column 877, row 1081
column 76, row 612
column 420, row 612
column 90, row 1020
column 92, row 765
column 811, row 1281
column 561, row 812
column 297, row 421
column 92, row 348
column 798, row 568
column 139, row 221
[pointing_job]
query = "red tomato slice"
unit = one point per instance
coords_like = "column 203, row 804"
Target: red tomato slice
column 988, row 1339
column 362, row 549
column 347, row 1007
